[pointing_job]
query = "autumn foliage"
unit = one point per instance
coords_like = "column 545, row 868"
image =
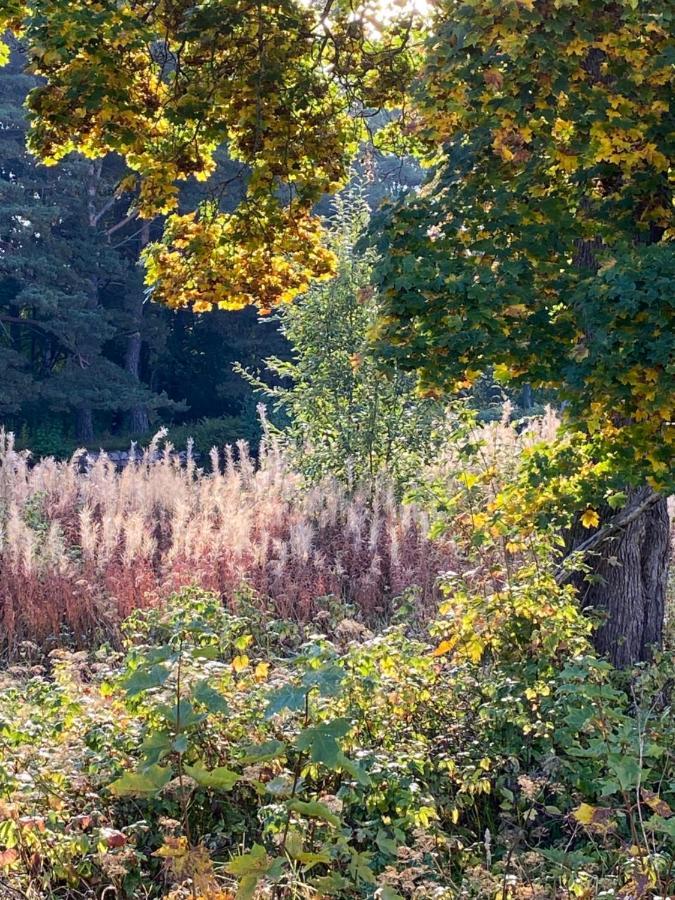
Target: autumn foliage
column 79, row 551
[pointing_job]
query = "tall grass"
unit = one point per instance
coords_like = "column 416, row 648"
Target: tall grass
column 79, row 550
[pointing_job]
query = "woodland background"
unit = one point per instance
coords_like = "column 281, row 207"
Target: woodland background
column 85, row 359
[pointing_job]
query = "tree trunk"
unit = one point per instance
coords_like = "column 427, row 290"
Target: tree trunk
column 139, row 422
column 628, row 581
column 84, row 426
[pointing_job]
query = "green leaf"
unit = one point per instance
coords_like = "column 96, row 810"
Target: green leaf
column 250, row 868
column 263, row 752
column 659, row 823
column 243, row 641
column 328, row 680
column 351, row 768
column 617, row 500
column 141, row 784
column 627, row 771
column 359, row 867
column 165, row 653
column 288, row 697
column 156, row 745
column 180, row 745
column 321, row 741
column 281, row 786
column 208, row 651
column 255, row 862
column 309, row 859
column 385, row 843
column 210, row 698
column 247, row 887
column 294, row 843
column 388, row 893
column 181, row 716
column 145, row 678
column 220, row 779
column 313, row 809
column 331, row 884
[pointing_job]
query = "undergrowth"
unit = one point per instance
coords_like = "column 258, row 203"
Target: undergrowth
column 224, row 755
column 369, row 745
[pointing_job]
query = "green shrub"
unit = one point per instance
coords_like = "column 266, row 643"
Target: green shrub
column 345, row 417
column 229, row 752
column 216, row 432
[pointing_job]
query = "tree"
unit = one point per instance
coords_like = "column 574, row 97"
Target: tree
column 541, row 245
column 165, row 84
column 344, row 418
column 57, row 272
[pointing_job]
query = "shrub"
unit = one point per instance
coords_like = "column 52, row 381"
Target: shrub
column 208, row 433
column 345, row 417
column 229, row 752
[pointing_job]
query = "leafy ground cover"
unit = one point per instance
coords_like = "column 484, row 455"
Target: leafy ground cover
column 221, row 755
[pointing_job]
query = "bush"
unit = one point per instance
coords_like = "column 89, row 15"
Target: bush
column 228, row 752
column 345, row 417
column 215, row 432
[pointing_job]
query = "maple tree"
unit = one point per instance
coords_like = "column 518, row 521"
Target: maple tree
column 165, row 84
column 542, row 246
column 542, row 243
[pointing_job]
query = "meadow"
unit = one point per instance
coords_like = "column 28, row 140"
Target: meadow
column 80, row 551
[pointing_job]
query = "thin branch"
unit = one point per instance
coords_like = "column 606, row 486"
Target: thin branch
column 96, row 217
column 600, row 536
column 32, row 323
column 125, row 221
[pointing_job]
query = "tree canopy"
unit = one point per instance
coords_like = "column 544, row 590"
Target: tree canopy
column 541, row 241
column 165, row 84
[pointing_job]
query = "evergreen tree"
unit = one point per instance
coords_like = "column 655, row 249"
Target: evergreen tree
column 56, row 265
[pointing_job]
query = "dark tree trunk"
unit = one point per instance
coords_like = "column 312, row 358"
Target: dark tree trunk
column 631, row 565
column 526, row 397
column 138, row 415
column 139, row 422
column 628, row 581
column 84, row 426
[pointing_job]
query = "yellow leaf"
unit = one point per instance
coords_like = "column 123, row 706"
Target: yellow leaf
column 239, row 663
column 261, row 671
column 599, row 819
column 173, row 848
column 444, row 647
column 584, row 813
column 475, row 649
column 590, row 519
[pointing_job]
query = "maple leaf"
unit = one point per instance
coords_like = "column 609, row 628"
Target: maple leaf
column 590, row 519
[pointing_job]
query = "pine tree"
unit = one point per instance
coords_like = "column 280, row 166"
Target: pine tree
column 57, row 266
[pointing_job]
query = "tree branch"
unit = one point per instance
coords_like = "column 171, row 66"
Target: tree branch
column 95, row 217
column 616, row 524
column 121, row 223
